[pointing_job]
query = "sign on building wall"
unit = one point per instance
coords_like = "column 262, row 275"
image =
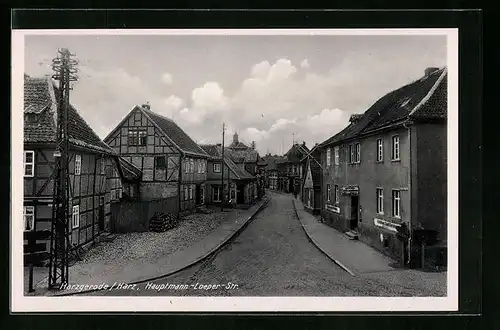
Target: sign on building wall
column 332, row 208
column 350, row 190
column 386, row 224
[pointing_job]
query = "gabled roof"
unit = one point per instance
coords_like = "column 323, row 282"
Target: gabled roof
column 175, row 133
column 40, row 108
column 297, row 152
column 238, row 145
column 215, row 152
column 424, row 98
column 312, row 153
column 244, row 155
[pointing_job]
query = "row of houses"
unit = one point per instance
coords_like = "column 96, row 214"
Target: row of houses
column 145, row 158
column 383, row 178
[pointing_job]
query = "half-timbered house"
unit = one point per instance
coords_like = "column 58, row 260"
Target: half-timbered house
column 171, row 163
column 95, row 175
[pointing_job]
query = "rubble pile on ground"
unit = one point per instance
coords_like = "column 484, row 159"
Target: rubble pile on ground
column 161, row 222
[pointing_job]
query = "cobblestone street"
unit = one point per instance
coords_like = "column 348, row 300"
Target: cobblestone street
column 273, row 257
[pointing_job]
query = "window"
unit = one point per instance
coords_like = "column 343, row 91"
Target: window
column 357, row 157
column 336, row 194
column 395, row 147
column 29, row 163
column 396, row 203
column 336, row 155
column 198, row 166
column 217, row 168
column 78, row 164
column 328, row 156
column 191, row 162
column 185, row 164
column 186, row 193
column 216, row 194
column 380, row 201
column 190, row 188
column 380, row 150
column 29, row 218
column 328, row 192
column 75, row 219
column 120, row 193
column 202, row 195
column 137, row 136
column 161, row 162
column 203, row 165
column 351, row 153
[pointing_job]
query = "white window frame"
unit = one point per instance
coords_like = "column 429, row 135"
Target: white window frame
column 357, row 152
column 351, row 154
column 336, row 155
column 203, row 166
column 328, row 192
column 75, row 216
column 216, row 192
column 328, row 156
column 30, row 165
column 29, row 213
column 78, row 164
column 186, row 193
column 396, row 203
column 217, row 166
column 380, row 150
column 192, row 165
column 186, row 165
column 336, row 192
column 380, row 200
column 190, row 189
column 395, row 148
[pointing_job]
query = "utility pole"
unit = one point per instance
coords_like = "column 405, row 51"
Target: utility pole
column 65, row 72
column 222, row 168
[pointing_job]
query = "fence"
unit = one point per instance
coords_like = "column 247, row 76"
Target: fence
column 134, row 216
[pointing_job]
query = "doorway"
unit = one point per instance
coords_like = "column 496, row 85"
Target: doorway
column 240, row 197
column 101, row 214
column 198, row 195
column 354, row 212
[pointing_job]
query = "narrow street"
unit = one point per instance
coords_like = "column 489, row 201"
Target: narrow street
column 271, row 257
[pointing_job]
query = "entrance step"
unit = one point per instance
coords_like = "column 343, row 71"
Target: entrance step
column 352, row 234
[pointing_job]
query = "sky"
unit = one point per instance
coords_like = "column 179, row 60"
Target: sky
column 271, row 89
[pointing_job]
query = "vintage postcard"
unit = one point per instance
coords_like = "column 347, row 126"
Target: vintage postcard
column 234, row 170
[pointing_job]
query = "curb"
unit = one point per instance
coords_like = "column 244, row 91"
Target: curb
column 201, row 258
column 318, row 246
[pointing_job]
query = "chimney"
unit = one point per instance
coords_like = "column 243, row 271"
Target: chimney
column 430, row 70
column 146, row 106
column 355, row 117
column 253, row 145
column 304, row 143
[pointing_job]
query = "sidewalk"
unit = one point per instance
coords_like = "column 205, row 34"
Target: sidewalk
column 355, row 257
column 141, row 270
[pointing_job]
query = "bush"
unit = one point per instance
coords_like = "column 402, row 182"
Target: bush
column 161, row 222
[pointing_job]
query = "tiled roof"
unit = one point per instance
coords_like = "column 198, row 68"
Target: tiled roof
column 175, row 133
column 215, row 152
column 297, row 152
column 421, row 99
column 40, row 108
column 238, row 145
column 244, row 155
column 271, row 161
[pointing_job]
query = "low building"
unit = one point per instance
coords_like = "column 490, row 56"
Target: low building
column 96, row 174
column 238, row 186
column 269, row 170
column 172, row 164
column 311, row 195
column 290, row 169
column 384, row 175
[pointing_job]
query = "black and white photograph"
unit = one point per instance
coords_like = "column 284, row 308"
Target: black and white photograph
column 235, row 170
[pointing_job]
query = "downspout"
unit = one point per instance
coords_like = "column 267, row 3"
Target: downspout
column 181, row 159
column 409, row 195
column 93, row 200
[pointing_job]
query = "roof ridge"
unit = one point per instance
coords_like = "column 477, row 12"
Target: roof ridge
column 431, row 91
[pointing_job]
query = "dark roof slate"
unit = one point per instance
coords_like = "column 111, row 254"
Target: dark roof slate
column 41, row 99
column 175, row 133
column 424, row 98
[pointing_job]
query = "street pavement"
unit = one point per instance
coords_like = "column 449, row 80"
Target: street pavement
column 272, row 256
